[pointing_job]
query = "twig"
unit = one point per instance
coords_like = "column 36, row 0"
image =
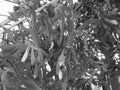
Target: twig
column 23, row 19
column 4, row 22
column 11, row 1
column 38, row 10
column 4, row 15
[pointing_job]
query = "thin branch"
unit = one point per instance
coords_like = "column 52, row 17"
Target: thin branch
column 23, row 19
column 11, row 1
column 4, row 15
column 38, row 10
column 4, row 22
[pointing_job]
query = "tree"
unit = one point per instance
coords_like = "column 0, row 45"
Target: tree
column 61, row 45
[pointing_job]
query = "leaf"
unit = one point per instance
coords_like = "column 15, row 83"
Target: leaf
column 60, row 74
column 70, row 39
column 87, row 23
column 31, row 44
column 62, row 25
column 115, row 84
column 33, row 22
column 20, row 45
column 25, row 54
column 4, row 78
column 17, row 1
column 117, row 31
column 70, row 25
column 47, row 24
column 48, row 68
column 21, row 66
column 115, row 22
column 32, row 57
column 19, row 13
column 18, row 53
column 50, row 10
column 35, row 38
column 74, row 57
column 13, row 16
column 60, row 62
column 52, row 45
column 34, row 35
column 40, row 56
column 30, row 84
column 104, row 67
column 1, row 72
column 65, row 84
column 9, row 34
column 36, row 69
column 40, row 51
column 6, row 47
column 76, row 15
column 61, row 59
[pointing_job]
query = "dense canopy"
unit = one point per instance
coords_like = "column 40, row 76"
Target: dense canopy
column 61, row 45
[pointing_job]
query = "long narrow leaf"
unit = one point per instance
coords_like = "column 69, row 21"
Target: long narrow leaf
column 25, row 54
column 40, row 55
column 36, row 69
column 32, row 57
column 61, row 61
